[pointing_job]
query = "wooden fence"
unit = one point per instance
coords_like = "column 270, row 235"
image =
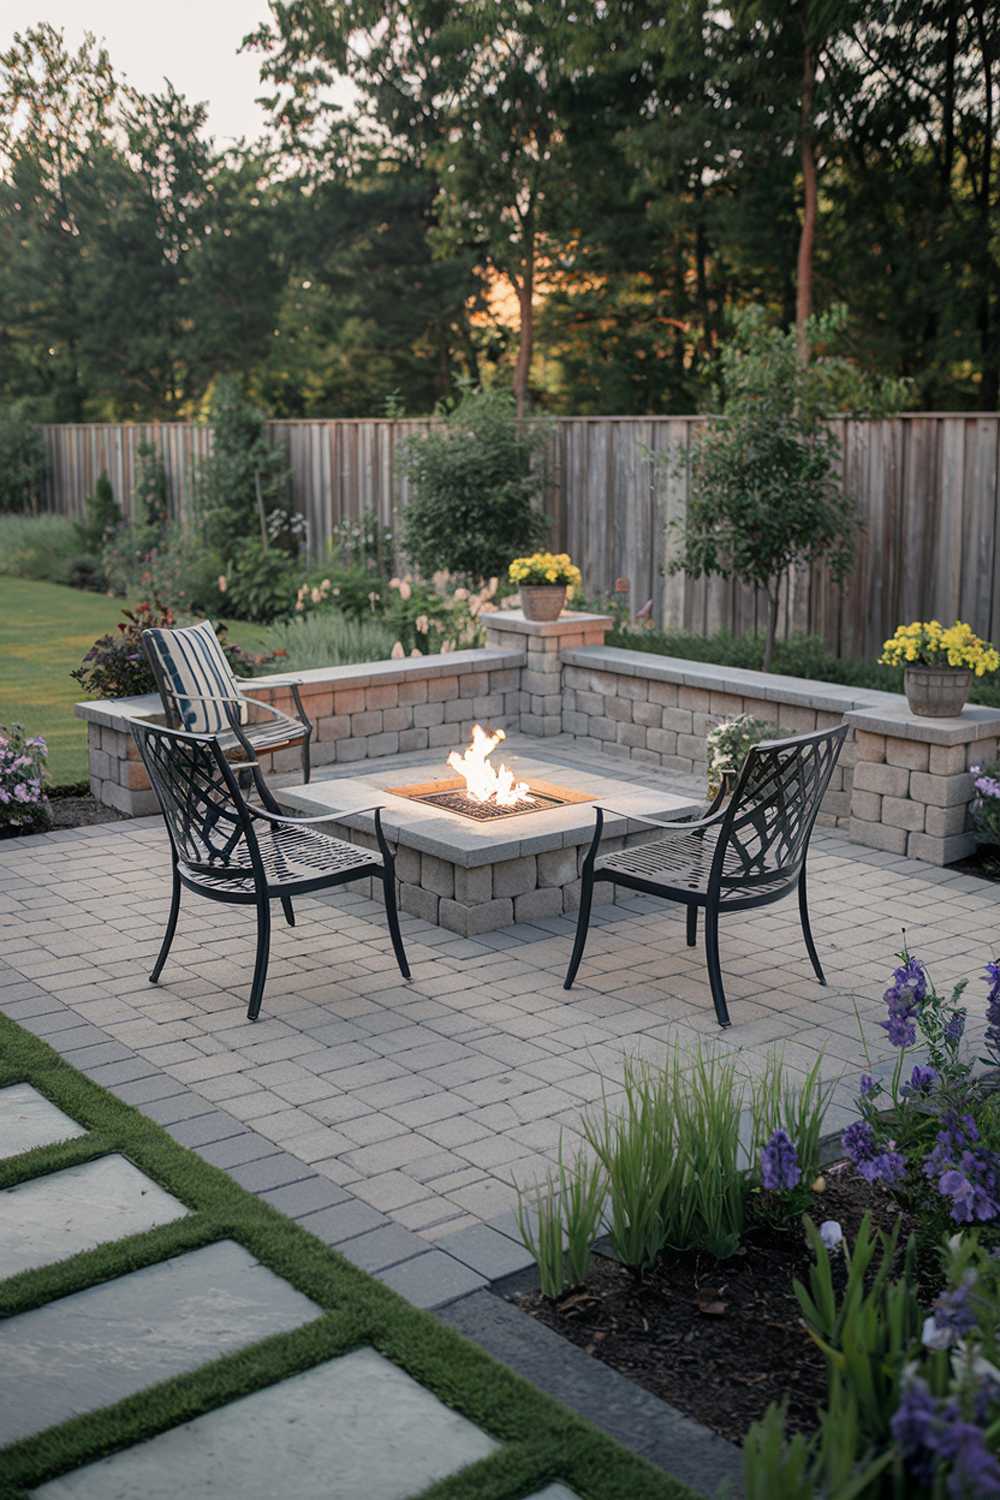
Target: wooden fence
column 927, row 486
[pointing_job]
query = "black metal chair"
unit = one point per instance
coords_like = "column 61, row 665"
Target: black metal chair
column 749, row 853
column 230, row 850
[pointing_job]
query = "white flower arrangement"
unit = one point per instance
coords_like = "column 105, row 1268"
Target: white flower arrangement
column 726, row 747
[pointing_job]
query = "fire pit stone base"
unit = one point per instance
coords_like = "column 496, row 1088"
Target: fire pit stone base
column 472, row 876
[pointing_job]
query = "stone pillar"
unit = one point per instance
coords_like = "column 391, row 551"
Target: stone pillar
column 912, row 788
column 544, row 640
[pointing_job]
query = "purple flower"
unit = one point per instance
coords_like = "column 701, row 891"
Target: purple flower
column 779, row 1164
column 965, row 1171
column 872, row 1164
column 868, row 1086
column 931, row 1433
column 974, row 1470
column 955, row 1028
column 914, row 1430
column 922, row 1080
column 953, row 1316
column 903, row 997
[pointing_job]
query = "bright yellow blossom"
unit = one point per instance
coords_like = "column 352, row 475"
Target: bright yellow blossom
column 928, row 644
column 545, row 568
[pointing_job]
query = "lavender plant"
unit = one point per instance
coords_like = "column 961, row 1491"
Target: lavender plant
column 24, row 806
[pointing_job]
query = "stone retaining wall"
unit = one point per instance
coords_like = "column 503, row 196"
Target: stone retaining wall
column 358, row 713
column 902, row 784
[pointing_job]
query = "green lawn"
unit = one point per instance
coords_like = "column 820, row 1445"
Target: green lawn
column 45, row 630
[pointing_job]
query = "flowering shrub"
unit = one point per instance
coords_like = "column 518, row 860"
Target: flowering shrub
column 24, row 807
column 116, row 665
column 928, row 1136
column 928, row 644
column 727, row 746
column 543, row 568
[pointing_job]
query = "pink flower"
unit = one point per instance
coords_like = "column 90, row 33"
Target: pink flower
column 223, row 585
column 397, row 652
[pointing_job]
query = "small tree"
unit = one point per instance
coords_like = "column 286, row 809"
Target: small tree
column 242, row 488
column 103, row 518
column 477, row 480
column 151, row 499
column 22, row 460
column 764, row 492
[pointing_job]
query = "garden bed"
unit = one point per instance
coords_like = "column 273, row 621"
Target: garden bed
column 718, row 1340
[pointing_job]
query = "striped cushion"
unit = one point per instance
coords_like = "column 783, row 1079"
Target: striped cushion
column 193, row 662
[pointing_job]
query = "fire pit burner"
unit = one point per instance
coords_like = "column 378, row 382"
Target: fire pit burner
column 451, row 796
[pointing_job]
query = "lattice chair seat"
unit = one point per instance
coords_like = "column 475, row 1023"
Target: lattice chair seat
column 228, row 849
column 747, row 853
column 684, row 861
column 291, row 856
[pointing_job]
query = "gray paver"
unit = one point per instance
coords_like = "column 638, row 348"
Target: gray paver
column 491, row 1254
column 102, row 1344
column 28, row 1119
column 381, row 1248
column 432, row 1279
column 236, row 1150
column 344, row 1221
column 205, row 1130
column 272, row 1172
column 305, row 1197
column 51, row 1217
column 323, row 1435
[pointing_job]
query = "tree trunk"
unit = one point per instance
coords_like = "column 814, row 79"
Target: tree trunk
column 773, row 601
column 807, row 154
column 525, row 288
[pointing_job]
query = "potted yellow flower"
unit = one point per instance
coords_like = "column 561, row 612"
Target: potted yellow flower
column 938, row 665
column 544, row 581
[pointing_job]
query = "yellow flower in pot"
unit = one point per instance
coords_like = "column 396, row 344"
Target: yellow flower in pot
column 544, row 580
column 938, row 665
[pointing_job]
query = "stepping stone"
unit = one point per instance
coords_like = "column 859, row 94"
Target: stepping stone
column 554, row 1492
column 356, row 1426
column 28, row 1119
column 52, row 1217
column 100, row 1345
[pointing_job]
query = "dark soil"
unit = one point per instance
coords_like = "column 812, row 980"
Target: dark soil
column 69, row 807
column 985, row 863
column 719, row 1340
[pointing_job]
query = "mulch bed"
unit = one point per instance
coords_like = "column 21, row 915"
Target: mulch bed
column 70, row 807
column 719, row 1340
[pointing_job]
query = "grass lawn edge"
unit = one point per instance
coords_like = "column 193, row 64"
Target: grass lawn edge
column 541, row 1441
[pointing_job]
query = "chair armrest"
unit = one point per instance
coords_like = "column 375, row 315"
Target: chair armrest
column 674, row 826
column 270, row 817
column 180, row 697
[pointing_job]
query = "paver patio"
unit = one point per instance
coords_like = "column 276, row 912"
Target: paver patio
column 399, row 1117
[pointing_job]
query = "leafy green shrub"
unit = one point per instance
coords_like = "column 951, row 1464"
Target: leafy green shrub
column 151, row 499
column 22, row 461
column 476, row 486
column 103, row 517
column 44, row 547
column 116, row 664
column 328, row 638
column 24, row 806
column 177, row 567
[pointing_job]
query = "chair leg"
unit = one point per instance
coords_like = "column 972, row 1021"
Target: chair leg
column 692, row 926
column 168, row 936
column 582, row 928
column 714, row 965
column 306, row 760
column 263, row 953
column 392, row 915
column 288, row 909
column 807, row 930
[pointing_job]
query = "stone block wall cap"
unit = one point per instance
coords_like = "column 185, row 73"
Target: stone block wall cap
column 804, row 692
column 570, row 622
column 115, row 713
column 407, row 669
column 976, row 722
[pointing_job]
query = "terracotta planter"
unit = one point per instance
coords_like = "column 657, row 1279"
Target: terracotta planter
column 542, row 601
column 937, row 692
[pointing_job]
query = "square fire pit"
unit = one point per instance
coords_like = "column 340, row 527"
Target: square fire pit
column 520, row 863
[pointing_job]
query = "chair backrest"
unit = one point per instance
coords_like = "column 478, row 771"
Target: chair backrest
column 200, row 799
column 765, row 833
column 189, row 666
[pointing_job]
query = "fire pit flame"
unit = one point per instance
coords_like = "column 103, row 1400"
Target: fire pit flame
column 483, row 781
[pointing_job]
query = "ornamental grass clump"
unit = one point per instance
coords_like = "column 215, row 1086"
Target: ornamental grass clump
column 24, row 806
column 559, row 1223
